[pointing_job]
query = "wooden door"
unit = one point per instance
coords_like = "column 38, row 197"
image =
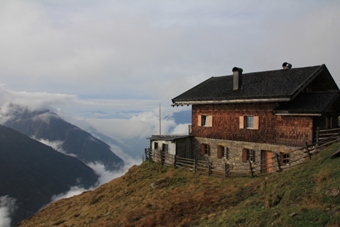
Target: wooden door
column 266, row 161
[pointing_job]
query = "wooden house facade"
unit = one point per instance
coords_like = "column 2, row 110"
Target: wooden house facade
column 254, row 116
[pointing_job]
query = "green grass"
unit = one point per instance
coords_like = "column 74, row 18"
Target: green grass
column 300, row 196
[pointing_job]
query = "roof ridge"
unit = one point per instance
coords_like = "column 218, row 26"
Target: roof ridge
column 273, row 70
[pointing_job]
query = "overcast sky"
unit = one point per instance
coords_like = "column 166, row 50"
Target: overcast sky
column 115, row 61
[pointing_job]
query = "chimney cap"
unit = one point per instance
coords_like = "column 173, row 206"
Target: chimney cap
column 286, row 65
column 237, row 69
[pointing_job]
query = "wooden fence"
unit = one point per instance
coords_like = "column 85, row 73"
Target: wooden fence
column 276, row 162
column 326, row 136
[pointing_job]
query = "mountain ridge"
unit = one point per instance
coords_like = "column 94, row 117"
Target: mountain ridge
column 47, row 125
column 32, row 172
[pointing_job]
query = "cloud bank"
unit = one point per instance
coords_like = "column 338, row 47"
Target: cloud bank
column 7, row 207
column 156, row 50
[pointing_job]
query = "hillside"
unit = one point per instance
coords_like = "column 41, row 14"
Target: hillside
column 155, row 195
column 32, row 172
column 47, row 125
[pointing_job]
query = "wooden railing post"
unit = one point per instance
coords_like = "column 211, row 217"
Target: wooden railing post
column 195, row 165
column 145, row 151
column 278, row 162
column 209, row 168
column 162, row 157
column 174, row 161
column 308, row 151
column 226, row 170
column 251, row 169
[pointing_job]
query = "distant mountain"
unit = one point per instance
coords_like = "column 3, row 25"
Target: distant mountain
column 32, row 172
column 47, row 125
column 126, row 149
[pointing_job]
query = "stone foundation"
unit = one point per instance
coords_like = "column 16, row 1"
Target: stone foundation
column 235, row 154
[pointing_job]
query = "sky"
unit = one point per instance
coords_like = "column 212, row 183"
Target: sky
column 111, row 63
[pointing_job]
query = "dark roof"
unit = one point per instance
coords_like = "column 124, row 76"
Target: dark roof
column 167, row 137
column 282, row 84
column 310, row 103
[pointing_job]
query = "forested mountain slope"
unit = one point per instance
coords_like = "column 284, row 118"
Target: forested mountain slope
column 31, row 172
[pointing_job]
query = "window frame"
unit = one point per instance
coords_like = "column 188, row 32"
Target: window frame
column 284, row 158
column 248, row 155
column 244, row 119
column 165, row 147
column 249, row 122
column 222, row 152
column 205, row 149
column 205, row 120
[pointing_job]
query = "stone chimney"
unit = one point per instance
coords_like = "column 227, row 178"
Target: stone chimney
column 286, row 65
column 237, row 75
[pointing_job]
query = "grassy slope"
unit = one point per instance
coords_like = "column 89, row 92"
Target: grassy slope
column 296, row 197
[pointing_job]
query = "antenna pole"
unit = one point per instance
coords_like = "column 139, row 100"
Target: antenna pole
column 160, row 120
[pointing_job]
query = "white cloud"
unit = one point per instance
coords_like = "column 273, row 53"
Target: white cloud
column 56, row 145
column 75, row 190
column 104, row 176
column 156, row 50
column 181, row 129
column 7, row 206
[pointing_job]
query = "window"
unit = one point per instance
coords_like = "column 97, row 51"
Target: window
column 222, row 151
column 284, row 158
column 205, row 120
column 248, row 154
column 329, row 122
column 165, row 147
column 205, row 149
column 249, row 122
column 155, row 146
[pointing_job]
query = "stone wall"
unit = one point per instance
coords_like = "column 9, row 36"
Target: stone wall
column 291, row 131
column 235, row 153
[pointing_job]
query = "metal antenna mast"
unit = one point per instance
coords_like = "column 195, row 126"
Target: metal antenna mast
column 160, row 120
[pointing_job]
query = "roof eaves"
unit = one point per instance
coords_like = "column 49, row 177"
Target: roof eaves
column 201, row 102
column 330, row 103
column 297, row 114
column 173, row 100
column 307, row 81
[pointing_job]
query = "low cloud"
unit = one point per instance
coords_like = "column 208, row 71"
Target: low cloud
column 104, row 177
column 181, row 129
column 7, row 207
column 56, row 145
column 75, row 190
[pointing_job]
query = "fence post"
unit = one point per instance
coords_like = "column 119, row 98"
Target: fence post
column 308, row 152
column 145, row 151
column 195, row 165
column 278, row 162
column 251, row 169
column 162, row 157
column 174, row 161
column 226, row 170
column 317, row 136
column 209, row 168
